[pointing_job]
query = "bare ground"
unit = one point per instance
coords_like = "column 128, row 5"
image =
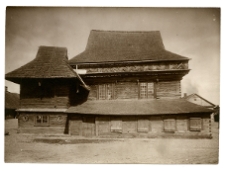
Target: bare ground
column 29, row 148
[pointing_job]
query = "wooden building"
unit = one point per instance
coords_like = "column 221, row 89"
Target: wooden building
column 124, row 84
column 11, row 104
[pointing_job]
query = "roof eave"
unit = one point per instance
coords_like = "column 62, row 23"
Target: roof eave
column 130, row 61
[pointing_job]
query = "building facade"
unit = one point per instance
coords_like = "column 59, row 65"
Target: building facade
column 124, row 84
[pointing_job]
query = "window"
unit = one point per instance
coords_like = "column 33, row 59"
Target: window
column 195, row 124
column 143, row 125
column 116, row 126
column 42, row 120
column 169, row 125
column 105, row 91
column 146, row 90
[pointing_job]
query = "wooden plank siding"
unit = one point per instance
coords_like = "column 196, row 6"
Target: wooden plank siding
column 126, row 90
column 27, row 123
column 137, row 126
column 55, row 102
column 170, row 89
column 136, row 90
column 44, row 96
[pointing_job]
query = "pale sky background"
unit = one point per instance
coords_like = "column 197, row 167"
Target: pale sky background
column 190, row 32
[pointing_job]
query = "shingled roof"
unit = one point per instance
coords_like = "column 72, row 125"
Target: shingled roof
column 11, row 100
column 50, row 62
column 111, row 46
column 138, row 107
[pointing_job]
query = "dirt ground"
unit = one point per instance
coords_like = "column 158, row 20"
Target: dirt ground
column 29, row 148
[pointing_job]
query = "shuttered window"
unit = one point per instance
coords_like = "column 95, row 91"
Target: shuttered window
column 169, row 125
column 143, row 125
column 195, row 124
column 116, row 126
column 105, row 92
column 146, row 90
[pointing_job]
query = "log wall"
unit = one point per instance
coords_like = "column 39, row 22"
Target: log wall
column 138, row 126
column 126, row 90
column 170, row 89
column 131, row 90
column 56, row 123
column 48, row 95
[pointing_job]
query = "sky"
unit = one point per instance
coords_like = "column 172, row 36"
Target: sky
column 190, row 32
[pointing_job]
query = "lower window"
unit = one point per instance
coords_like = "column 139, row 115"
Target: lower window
column 143, row 125
column 42, row 120
column 195, row 124
column 169, row 125
column 116, row 126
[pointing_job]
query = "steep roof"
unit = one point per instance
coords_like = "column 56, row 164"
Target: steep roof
column 50, row 62
column 193, row 96
column 138, row 107
column 111, row 46
column 11, row 100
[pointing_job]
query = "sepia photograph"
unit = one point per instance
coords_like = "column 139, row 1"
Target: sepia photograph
column 112, row 85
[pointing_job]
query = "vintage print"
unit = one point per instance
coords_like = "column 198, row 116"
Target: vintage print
column 86, row 85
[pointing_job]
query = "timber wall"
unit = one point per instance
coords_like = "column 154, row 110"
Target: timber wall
column 131, row 90
column 48, row 95
column 56, row 123
column 138, row 126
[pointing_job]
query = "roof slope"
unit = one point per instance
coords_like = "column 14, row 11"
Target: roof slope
column 193, row 95
column 137, row 107
column 11, row 100
column 50, row 62
column 113, row 46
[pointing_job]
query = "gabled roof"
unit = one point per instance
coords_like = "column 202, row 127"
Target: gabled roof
column 11, row 100
column 138, row 107
column 111, row 46
column 193, row 95
column 50, row 62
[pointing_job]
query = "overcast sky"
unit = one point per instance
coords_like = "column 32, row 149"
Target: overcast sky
column 190, row 32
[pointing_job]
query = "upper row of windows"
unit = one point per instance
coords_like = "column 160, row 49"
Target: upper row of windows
column 106, row 91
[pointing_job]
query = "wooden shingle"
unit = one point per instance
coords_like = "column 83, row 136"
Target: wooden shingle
column 114, row 46
column 50, row 62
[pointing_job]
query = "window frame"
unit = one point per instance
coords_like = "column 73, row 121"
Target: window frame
column 114, row 123
column 194, row 127
column 143, row 125
column 44, row 120
column 167, row 128
column 146, row 89
column 106, row 91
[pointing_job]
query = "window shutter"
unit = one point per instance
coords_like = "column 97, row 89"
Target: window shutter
column 169, row 125
column 195, row 124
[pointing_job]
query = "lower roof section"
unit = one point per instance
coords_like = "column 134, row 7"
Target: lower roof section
column 137, row 107
column 40, row 110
